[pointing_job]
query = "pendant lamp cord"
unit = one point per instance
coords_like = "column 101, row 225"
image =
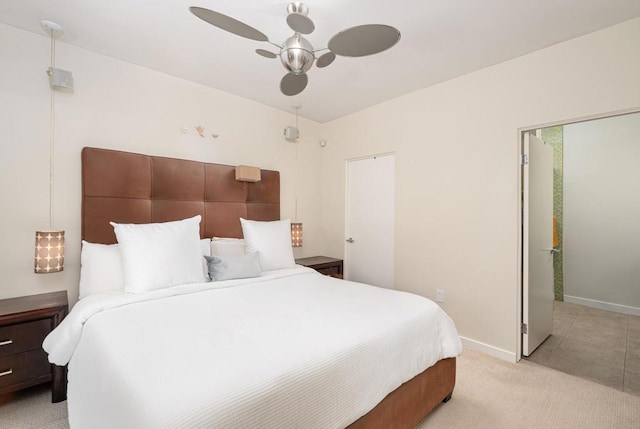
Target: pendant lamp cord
column 51, row 131
column 296, row 190
column 297, row 167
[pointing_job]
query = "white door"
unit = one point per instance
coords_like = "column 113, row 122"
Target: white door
column 370, row 221
column 538, row 296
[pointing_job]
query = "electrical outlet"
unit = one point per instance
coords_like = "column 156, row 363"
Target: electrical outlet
column 439, row 295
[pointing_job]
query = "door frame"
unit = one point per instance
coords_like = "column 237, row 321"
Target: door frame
column 519, row 213
column 345, row 251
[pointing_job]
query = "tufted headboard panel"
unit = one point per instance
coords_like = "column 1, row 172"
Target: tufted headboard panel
column 126, row 187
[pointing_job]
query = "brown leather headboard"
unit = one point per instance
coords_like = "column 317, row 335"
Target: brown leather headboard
column 131, row 188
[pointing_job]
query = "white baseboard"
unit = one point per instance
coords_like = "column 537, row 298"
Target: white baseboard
column 470, row 344
column 618, row 308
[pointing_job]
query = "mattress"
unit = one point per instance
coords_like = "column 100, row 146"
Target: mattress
column 290, row 349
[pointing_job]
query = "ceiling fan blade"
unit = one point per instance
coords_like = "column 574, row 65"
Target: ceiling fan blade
column 364, row 40
column 300, row 23
column 325, row 59
column 265, row 53
column 229, row 24
column 292, row 84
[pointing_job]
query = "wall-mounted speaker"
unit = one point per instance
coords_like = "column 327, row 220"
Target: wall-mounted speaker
column 291, row 134
column 60, row 79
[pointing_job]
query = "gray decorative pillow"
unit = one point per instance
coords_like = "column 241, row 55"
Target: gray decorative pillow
column 233, row 267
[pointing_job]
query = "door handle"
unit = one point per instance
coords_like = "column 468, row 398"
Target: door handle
column 349, row 240
column 552, row 249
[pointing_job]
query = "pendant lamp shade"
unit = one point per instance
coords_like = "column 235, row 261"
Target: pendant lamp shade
column 296, row 235
column 49, row 256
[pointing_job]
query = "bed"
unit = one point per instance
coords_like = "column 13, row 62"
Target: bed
column 286, row 348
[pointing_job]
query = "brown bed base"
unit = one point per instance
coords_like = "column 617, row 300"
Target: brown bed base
column 406, row 406
column 132, row 188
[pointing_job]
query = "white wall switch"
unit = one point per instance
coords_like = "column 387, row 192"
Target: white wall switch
column 439, row 295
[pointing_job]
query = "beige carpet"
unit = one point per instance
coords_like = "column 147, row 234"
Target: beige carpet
column 489, row 394
column 32, row 409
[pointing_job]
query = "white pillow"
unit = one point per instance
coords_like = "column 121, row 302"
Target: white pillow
column 227, row 246
column 205, row 246
column 272, row 240
column 100, row 269
column 159, row 255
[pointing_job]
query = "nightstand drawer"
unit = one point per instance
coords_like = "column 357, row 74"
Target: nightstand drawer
column 25, row 366
column 22, row 337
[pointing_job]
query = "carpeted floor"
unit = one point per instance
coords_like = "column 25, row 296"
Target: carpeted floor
column 32, row 409
column 489, row 393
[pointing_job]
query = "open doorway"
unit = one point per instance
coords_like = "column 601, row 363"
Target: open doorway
column 596, row 270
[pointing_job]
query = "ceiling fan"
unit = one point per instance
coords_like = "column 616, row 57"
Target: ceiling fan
column 296, row 53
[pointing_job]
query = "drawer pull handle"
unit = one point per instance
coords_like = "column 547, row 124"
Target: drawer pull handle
column 7, row 372
column 6, row 343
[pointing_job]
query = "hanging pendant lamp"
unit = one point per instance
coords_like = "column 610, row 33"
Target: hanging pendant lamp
column 49, row 246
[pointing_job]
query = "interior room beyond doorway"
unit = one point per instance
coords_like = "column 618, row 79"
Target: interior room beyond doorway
column 596, row 317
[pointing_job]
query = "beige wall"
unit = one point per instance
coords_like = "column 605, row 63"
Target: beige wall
column 122, row 106
column 456, row 147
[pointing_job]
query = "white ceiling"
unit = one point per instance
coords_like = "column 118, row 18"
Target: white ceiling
column 441, row 39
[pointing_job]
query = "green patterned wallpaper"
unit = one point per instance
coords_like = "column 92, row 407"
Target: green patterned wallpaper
column 553, row 136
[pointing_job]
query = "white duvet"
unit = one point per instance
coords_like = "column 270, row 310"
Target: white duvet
column 293, row 349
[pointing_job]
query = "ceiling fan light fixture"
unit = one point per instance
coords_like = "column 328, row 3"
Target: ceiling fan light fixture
column 297, row 54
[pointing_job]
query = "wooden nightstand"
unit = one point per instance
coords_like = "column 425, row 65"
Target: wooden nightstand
column 24, row 322
column 323, row 264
